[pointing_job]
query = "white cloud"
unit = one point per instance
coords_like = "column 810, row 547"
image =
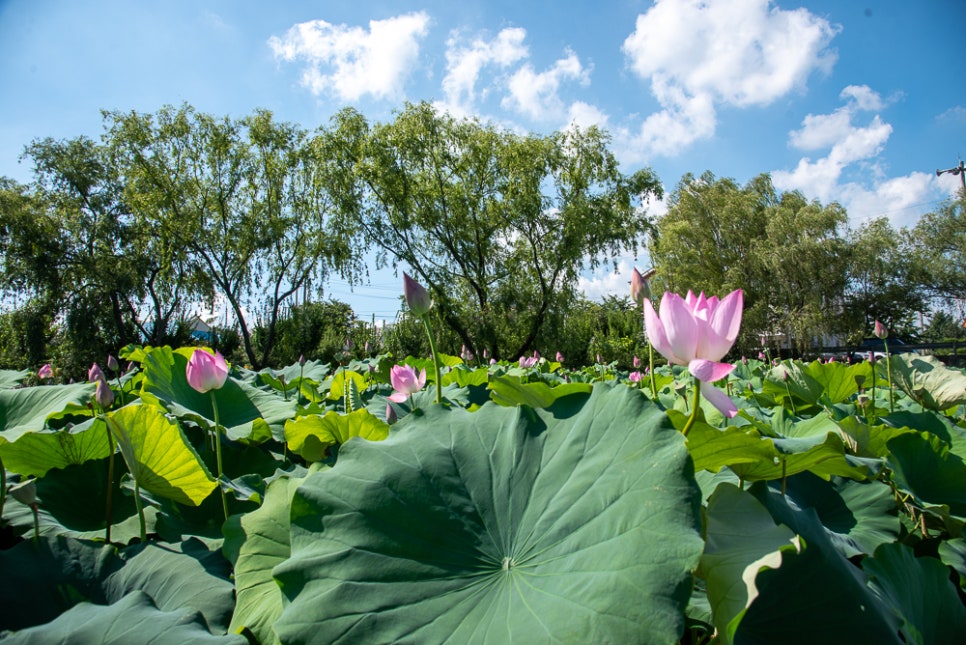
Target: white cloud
column 352, row 62
column 464, row 64
column 956, row 113
column 607, row 282
column 700, row 53
column 849, row 144
column 535, row 94
column 583, row 115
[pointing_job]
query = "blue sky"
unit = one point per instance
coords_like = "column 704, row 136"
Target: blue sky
column 856, row 102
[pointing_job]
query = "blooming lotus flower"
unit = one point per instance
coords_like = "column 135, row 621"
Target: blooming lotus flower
column 417, row 299
column 697, row 332
column 526, row 362
column 206, row 372
column 635, row 377
column 881, row 332
column 95, row 374
column 46, row 371
column 405, row 381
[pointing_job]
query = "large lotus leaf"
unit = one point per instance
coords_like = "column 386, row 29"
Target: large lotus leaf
column 339, row 381
column 953, row 553
column 45, row 579
column 133, row 619
column 27, row 409
column 790, row 378
column 73, row 503
column 815, row 596
column 924, row 466
column 712, row 449
column 574, row 524
column 921, row 594
column 869, row 441
column 34, row 453
column 12, row 378
column 824, row 459
column 246, row 412
column 928, row 381
column 838, row 379
column 158, row 456
column 741, row 539
column 857, row 516
column 184, row 575
column 509, row 390
column 311, row 435
column 256, row 543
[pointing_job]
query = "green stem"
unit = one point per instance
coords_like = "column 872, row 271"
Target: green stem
column 110, row 485
column 224, row 501
column 36, row 512
column 432, row 348
column 889, row 374
column 3, row 487
column 791, row 401
column 137, row 504
column 650, row 370
column 784, row 475
column 694, row 408
column 120, row 394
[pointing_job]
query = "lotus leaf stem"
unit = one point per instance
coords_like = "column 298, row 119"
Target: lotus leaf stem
column 214, row 406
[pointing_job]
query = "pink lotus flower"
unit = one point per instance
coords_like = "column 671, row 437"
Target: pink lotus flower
column 640, row 289
column 405, row 381
column 206, row 372
column 528, row 362
column 637, row 362
column 697, row 331
column 635, row 377
column 46, row 371
column 559, row 357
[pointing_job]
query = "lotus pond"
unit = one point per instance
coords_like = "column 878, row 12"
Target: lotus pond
column 530, row 505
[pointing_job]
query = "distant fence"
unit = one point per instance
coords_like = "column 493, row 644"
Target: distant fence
column 953, row 358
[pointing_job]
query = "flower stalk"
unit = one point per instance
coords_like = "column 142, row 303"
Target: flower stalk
column 214, row 406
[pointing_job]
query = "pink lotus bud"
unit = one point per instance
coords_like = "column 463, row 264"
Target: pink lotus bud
column 368, row 347
column 637, row 362
column 25, row 492
column 640, row 289
column 492, row 361
column 301, row 360
column 112, row 363
column 94, row 374
column 599, row 359
column 559, row 357
column 417, row 299
column 206, row 372
column 635, row 377
column 46, row 371
column 104, row 395
column 880, row 331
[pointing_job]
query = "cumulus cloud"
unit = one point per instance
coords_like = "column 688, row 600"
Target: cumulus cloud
column 464, row 63
column 848, row 143
column 607, row 282
column 536, row 94
column 583, row 115
column 698, row 54
column 352, row 62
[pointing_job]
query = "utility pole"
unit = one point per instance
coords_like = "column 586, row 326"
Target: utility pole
column 958, row 170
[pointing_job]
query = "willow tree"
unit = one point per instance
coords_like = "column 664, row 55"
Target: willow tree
column 785, row 252
column 497, row 225
column 242, row 200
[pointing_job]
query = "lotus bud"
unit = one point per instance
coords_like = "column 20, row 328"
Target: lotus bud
column 104, row 395
column 635, row 377
column 640, row 289
column 301, row 360
column 46, row 371
column 492, row 361
column 559, row 357
column 637, row 362
column 25, row 492
column 206, row 372
column 94, row 374
column 417, row 298
column 599, row 359
column 880, row 331
column 368, row 347
column 112, row 363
